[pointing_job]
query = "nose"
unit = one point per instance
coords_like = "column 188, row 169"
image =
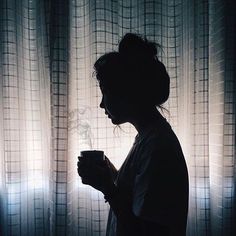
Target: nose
column 102, row 104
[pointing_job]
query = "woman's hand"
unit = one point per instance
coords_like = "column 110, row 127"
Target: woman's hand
column 97, row 175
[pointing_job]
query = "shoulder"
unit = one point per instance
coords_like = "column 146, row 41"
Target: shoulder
column 160, row 148
column 159, row 137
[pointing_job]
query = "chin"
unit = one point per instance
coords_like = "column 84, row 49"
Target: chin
column 117, row 121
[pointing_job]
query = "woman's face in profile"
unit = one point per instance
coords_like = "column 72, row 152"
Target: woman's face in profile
column 115, row 106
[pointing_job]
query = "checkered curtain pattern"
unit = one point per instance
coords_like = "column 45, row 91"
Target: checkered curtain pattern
column 49, row 107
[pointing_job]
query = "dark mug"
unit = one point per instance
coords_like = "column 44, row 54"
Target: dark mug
column 92, row 156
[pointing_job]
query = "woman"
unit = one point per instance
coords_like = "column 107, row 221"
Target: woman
column 149, row 194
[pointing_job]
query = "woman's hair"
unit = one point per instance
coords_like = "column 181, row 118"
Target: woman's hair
column 134, row 71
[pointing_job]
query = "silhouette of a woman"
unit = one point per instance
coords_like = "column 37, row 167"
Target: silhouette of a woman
column 148, row 195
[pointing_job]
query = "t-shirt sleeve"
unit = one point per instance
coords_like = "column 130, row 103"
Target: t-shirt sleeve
column 155, row 184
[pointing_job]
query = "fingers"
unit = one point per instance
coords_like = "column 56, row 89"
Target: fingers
column 81, row 159
column 86, row 170
column 82, row 172
column 90, row 172
column 82, row 169
column 85, row 181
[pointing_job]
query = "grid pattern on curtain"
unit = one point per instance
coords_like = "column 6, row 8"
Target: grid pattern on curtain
column 200, row 148
column 222, row 117
column 24, row 147
column 79, row 110
column 49, row 103
column 58, row 35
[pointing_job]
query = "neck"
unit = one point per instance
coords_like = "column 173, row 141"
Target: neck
column 145, row 118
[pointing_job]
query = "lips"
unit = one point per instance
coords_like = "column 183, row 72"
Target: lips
column 108, row 115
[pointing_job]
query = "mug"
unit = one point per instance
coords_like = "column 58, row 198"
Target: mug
column 92, row 155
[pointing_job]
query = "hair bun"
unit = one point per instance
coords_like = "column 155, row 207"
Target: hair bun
column 133, row 45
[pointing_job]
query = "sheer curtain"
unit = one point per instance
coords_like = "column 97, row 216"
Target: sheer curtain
column 49, row 107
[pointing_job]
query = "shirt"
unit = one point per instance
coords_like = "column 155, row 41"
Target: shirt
column 154, row 181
